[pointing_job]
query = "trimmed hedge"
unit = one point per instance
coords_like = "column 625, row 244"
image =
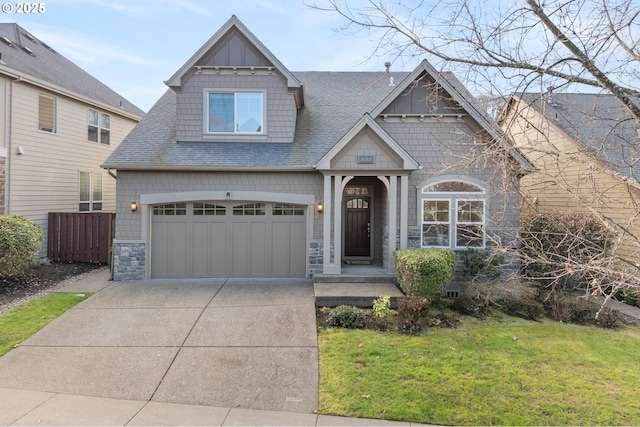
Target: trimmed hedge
column 20, row 241
column 424, row 271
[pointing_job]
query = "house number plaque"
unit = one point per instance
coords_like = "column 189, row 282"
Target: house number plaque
column 366, row 160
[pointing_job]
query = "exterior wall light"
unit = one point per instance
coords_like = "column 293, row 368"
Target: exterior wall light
column 134, row 206
column 320, row 207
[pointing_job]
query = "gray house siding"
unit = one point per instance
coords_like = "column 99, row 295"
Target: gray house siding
column 280, row 107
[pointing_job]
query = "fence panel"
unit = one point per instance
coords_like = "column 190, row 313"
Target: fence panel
column 80, row 236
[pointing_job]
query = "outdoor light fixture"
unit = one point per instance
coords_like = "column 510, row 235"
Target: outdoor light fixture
column 320, row 207
column 228, row 195
column 133, row 206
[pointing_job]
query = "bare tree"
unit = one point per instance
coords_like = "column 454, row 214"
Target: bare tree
column 510, row 46
column 532, row 46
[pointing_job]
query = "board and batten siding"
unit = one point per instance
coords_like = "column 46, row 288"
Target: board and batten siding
column 45, row 178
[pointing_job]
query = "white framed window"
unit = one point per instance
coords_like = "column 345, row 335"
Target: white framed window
column 235, row 112
column 453, row 214
column 99, row 127
column 90, row 195
column 47, row 114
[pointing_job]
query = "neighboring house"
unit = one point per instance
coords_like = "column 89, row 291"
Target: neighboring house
column 244, row 168
column 586, row 151
column 57, row 125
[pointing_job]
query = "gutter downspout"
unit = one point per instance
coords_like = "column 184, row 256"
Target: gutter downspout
column 113, row 175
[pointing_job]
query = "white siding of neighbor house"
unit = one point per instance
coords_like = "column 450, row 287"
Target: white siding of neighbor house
column 45, row 178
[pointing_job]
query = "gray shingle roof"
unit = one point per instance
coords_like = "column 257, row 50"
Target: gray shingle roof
column 26, row 55
column 334, row 102
column 599, row 122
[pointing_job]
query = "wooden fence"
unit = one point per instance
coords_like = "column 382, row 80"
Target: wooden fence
column 80, row 237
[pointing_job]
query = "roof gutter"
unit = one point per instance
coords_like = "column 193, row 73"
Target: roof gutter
column 179, row 168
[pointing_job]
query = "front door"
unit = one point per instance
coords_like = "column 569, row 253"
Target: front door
column 357, row 236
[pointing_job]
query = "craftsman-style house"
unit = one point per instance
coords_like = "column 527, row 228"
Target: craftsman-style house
column 244, row 168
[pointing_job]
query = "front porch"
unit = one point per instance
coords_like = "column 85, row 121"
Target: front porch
column 357, row 285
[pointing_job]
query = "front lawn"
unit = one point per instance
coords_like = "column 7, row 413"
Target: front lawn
column 485, row 372
column 25, row 320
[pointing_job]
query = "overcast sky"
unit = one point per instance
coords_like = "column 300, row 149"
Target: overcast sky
column 133, row 46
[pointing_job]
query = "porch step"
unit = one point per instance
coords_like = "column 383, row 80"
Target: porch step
column 358, row 294
column 355, row 278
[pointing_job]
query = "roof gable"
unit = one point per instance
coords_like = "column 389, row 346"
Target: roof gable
column 456, row 95
column 233, row 45
column 367, row 139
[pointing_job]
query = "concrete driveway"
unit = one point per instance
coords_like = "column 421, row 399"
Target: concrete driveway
column 234, row 343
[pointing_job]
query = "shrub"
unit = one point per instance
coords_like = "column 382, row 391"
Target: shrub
column 382, row 306
column 424, row 272
column 20, row 241
column 582, row 312
column 413, row 311
column 558, row 246
column 346, row 316
column 522, row 307
column 481, row 264
column 465, row 305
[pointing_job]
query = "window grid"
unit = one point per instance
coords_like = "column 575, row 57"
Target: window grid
column 453, row 215
column 284, row 209
column 98, row 127
column 170, row 209
column 250, row 209
column 208, row 209
column 90, row 192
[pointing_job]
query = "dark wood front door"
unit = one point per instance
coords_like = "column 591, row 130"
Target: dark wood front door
column 357, row 235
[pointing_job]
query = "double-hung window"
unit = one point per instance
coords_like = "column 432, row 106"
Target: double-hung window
column 99, row 127
column 235, row 112
column 90, row 192
column 453, row 215
column 47, row 114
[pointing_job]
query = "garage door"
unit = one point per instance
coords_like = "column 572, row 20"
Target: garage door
column 216, row 239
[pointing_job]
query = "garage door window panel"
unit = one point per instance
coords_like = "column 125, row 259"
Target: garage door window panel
column 172, row 209
column 251, row 209
column 208, row 209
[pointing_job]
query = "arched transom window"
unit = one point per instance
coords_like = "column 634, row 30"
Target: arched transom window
column 453, row 215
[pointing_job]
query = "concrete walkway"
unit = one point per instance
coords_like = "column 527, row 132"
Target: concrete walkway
column 173, row 352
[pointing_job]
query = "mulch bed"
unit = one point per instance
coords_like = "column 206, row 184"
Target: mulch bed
column 39, row 279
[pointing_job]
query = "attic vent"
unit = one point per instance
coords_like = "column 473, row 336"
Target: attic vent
column 29, row 36
column 29, row 51
column 6, row 41
column 47, row 46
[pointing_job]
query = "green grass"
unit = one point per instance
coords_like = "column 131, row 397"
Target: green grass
column 25, row 320
column 489, row 372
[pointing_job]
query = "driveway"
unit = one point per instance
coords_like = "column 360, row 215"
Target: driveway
column 235, row 343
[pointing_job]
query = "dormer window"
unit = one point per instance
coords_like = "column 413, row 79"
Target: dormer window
column 235, row 112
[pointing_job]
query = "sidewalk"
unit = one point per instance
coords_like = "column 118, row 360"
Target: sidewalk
column 202, row 352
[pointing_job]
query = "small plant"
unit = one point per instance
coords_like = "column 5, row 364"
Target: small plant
column 413, row 311
column 382, row 306
column 346, row 316
column 20, row 241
